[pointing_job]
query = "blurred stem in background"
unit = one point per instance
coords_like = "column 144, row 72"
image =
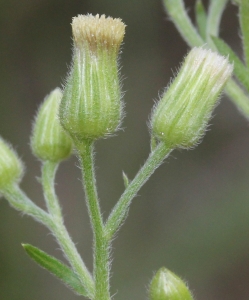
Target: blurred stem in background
column 202, row 36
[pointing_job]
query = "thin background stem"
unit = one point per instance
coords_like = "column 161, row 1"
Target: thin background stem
column 177, row 12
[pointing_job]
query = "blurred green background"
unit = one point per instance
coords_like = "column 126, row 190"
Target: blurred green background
column 191, row 217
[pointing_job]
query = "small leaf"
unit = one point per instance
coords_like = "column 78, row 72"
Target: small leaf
column 201, row 18
column 240, row 71
column 244, row 24
column 56, row 267
column 126, row 180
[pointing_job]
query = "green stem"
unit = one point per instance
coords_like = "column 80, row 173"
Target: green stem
column 180, row 18
column 61, row 234
column 59, row 229
column 244, row 25
column 101, row 244
column 201, row 18
column 215, row 11
column 240, row 99
column 48, row 176
column 19, row 200
column 120, row 210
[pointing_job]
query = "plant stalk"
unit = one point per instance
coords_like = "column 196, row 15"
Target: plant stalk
column 120, row 210
column 101, row 244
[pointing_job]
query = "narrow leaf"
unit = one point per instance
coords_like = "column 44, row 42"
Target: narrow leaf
column 244, row 24
column 240, row 71
column 126, row 180
column 56, row 267
column 201, row 18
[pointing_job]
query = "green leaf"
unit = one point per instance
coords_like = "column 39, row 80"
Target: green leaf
column 244, row 24
column 240, row 71
column 56, row 267
column 201, row 18
column 126, row 180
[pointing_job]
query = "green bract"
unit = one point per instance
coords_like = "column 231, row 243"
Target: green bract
column 165, row 285
column 181, row 116
column 11, row 167
column 91, row 105
column 49, row 141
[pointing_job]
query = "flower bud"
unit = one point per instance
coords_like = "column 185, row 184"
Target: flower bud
column 49, row 141
column 165, row 285
column 91, row 105
column 11, row 167
column 180, row 118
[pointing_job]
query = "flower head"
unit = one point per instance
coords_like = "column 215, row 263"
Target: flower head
column 181, row 116
column 91, row 106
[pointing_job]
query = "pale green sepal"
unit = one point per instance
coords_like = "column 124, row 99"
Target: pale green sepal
column 244, row 24
column 165, row 285
column 49, row 141
column 56, row 267
column 180, row 118
column 11, row 167
column 240, row 71
column 201, row 18
column 126, row 180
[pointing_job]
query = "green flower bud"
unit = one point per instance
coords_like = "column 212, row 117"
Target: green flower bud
column 49, row 141
column 165, row 285
column 11, row 167
column 91, row 105
column 180, row 118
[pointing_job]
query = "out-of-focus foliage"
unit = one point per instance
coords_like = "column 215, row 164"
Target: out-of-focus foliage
column 192, row 216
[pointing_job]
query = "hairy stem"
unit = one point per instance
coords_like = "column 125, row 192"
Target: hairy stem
column 61, row 234
column 20, row 201
column 48, row 175
column 120, row 210
column 101, row 245
column 59, row 230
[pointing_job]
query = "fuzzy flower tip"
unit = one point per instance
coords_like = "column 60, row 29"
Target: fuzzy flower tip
column 98, row 31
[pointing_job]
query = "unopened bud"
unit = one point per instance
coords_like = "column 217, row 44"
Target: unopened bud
column 180, row 118
column 91, row 106
column 11, row 167
column 165, row 285
column 49, row 141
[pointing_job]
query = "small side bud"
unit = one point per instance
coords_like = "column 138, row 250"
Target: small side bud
column 180, row 118
column 91, row 106
column 11, row 167
column 165, row 285
column 49, row 141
